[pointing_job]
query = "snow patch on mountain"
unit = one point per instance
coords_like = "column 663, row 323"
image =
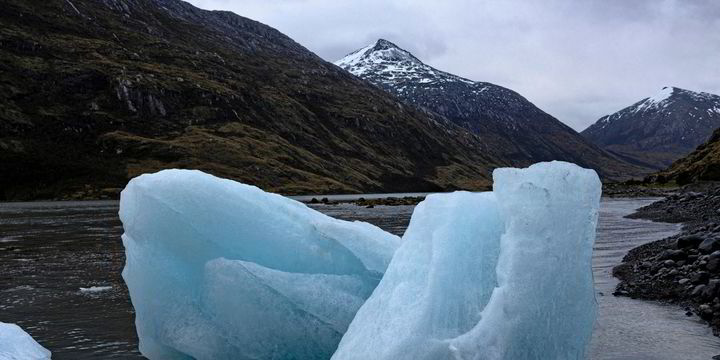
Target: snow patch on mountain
column 354, row 58
column 657, row 100
column 662, row 95
column 390, row 64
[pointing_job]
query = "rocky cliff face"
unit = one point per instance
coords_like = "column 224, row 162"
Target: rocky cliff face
column 510, row 126
column 659, row 129
column 93, row 93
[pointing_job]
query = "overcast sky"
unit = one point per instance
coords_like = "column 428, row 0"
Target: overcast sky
column 576, row 59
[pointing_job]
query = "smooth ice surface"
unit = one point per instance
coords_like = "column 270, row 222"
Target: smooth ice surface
column 501, row 275
column 16, row 344
column 437, row 284
column 221, row 270
column 95, row 289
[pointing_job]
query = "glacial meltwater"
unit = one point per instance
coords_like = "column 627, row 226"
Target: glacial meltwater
column 60, row 265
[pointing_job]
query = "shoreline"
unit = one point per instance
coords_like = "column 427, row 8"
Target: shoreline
column 626, row 190
column 370, row 203
column 609, row 189
column 683, row 269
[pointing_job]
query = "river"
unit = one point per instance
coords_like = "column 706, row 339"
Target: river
column 50, row 250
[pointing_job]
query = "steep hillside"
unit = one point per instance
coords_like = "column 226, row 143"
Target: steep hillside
column 511, row 127
column 659, row 129
column 94, row 92
column 703, row 164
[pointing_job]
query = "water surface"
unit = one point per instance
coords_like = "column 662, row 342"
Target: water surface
column 49, row 251
column 635, row 329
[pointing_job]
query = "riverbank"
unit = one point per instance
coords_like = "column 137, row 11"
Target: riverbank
column 634, row 190
column 371, row 203
column 683, row 269
column 610, row 189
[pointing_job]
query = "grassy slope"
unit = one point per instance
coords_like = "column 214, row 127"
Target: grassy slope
column 703, row 164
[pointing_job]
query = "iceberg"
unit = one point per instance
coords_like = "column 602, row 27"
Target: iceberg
column 221, row 270
column 16, row 344
column 500, row 275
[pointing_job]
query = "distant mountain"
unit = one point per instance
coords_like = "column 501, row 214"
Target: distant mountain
column 703, row 164
column 94, row 92
column 512, row 128
column 659, row 129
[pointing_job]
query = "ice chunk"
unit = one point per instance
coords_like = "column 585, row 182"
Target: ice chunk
column 501, row 275
column 222, row 270
column 16, row 344
column 95, row 289
column 437, row 284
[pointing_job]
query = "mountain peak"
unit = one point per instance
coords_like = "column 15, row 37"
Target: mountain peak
column 385, row 44
column 388, row 63
column 670, row 94
column 382, row 53
column 662, row 95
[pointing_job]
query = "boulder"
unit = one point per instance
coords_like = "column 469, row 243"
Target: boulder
column 688, row 241
column 673, row 255
column 709, row 245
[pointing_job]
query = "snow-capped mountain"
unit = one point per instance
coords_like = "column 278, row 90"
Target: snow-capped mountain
column 396, row 70
column 659, row 129
column 513, row 128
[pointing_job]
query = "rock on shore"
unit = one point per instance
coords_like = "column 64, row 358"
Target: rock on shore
column 682, row 269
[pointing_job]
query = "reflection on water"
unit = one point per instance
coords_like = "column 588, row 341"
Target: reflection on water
column 49, row 251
